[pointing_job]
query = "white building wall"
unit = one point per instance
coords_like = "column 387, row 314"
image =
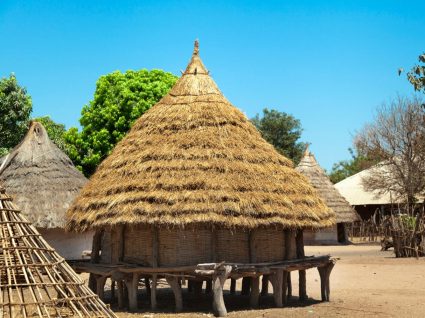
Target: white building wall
column 328, row 235
column 69, row 245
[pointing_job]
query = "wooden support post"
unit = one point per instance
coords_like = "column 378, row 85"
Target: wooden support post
column 197, row 288
column 190, row 284
column 289, row 295
column 284, row 286
column 153, row 291
column 302, row 281
column 255, row 292
column 120, row 291
column 325, row 272
column 100, row 286
column 175, row 286
column 132, row 284
column 95, row 256
column 232, row 286
column 246, row 286
column 208, row 287
column 265, row 285
column 121, row 243
column 112, row 291
column 219, row 278
column 277, row 281
column 147, row 283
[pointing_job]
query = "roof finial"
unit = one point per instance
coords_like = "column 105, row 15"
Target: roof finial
column 196, row 48
column 307, row 151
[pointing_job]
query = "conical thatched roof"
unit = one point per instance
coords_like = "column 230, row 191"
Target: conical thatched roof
column 35, row 281
column 41, row 177
column 195, row 158
column 309, row 167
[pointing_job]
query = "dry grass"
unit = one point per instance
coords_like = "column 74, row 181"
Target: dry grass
column 41, row 178
column 195, row 158
column 309, row 167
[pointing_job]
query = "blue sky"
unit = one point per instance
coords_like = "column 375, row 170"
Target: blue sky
column 328, row 63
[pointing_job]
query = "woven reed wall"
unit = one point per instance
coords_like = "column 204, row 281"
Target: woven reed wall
column 138, row 245
column 189, row 246
column 232, row 246
column 270, row 245
column 184, row 247
column 105, row 255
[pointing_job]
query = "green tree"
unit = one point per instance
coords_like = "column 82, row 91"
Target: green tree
column 55, row 131
column 281, row 130
column 416, row 75
column 346, row 168
column 15, row 111
column 119, row 99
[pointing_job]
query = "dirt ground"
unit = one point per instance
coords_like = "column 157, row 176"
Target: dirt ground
column 364, row 283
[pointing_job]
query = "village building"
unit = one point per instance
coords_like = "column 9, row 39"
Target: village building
column 35, row 281
column 367, row 203
column 44, row 182
column 194, row 193
column 344, row 213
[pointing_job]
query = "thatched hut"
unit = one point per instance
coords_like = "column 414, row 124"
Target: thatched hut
column 344, row 213
column 35, row 281
column 44, row 182
column 192, row 183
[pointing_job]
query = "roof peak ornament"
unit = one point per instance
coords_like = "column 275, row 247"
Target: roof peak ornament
column 196, row 47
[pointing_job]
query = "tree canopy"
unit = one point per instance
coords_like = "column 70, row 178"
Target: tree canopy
column 416, row 75
column 396, row 138
column 281, row 130
column 346, row 168
column 119, row 99
column 15, row 111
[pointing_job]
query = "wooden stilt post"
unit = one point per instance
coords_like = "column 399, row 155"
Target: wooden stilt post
column 265, row 285
column 153, row 292
column 175, row 286
column 100, row 286
column 132, row 284
column 112, row 291
column 95, row 256
column 277, row 280
column 197, row 288
column 302, row 281
column 255, row 292
column 232, row 286
column 208, row 287
column 289, row 295
column 155, row 263
column 219, row 278
column 246, row 286
column 325, row 273
column 120, row 291
column 284, row 286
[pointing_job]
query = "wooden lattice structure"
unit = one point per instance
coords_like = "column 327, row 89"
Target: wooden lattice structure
column 35, row 281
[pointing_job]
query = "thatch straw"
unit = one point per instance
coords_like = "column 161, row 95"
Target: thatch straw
column 35, row 281
column 195, row 158
column 309, row 167
column 41, row 177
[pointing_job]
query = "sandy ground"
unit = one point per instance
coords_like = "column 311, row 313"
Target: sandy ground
column 364, row 283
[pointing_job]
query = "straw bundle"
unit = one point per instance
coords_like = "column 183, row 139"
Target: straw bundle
column 309, row 167
column 194, row 158
column 41, row 177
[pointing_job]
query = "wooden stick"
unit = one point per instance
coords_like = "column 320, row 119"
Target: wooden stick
column 219, row 307
column 175, row 286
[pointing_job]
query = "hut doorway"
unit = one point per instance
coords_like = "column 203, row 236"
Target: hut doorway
column 341, row 233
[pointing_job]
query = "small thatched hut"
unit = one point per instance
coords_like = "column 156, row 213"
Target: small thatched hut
column 35, row 281
column 344, row 213
column 45, row 182
column 193, row 182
